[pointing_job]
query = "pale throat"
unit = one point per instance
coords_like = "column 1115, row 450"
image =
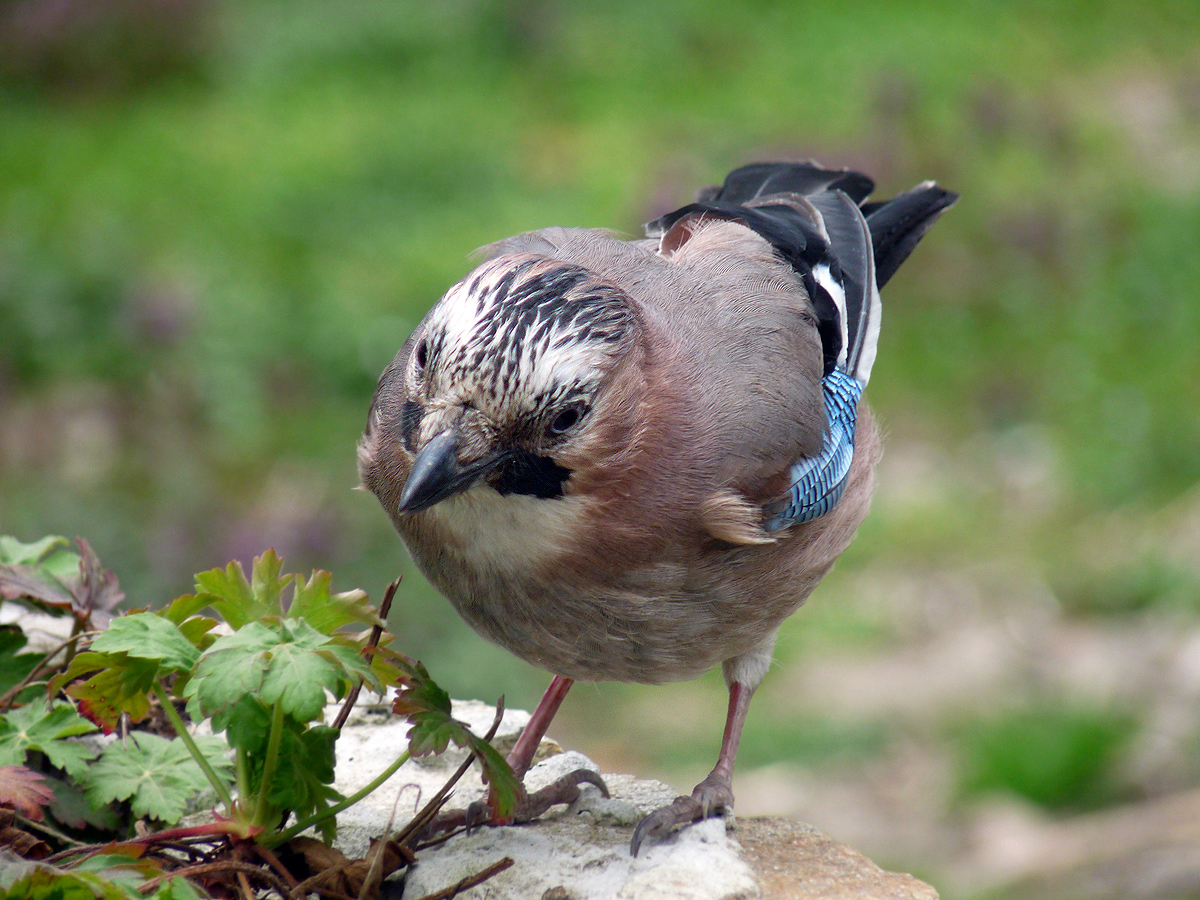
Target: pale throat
column 510, row 533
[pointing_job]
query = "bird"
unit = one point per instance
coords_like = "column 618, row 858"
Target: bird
column 633, row 460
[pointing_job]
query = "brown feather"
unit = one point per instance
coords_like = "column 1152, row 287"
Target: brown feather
column 732, row 519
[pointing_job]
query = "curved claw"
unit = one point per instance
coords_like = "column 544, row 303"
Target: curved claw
column 561, row 790
column 477, row 813
column 708, row 799
column 664, row 820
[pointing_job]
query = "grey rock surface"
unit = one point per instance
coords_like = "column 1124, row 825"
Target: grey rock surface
column 581, row 852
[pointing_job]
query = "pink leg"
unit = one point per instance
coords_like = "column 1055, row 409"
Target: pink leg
column 527, row 744
column 565, row 789
column 712, row 795
column 735, row 718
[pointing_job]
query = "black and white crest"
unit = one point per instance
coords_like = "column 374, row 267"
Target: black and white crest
column 525, row 332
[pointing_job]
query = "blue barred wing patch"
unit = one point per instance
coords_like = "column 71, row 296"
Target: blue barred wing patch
column 819, row 481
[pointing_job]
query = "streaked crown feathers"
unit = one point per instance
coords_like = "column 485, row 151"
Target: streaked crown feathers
column 523, row 330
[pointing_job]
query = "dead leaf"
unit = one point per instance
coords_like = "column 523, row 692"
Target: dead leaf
column 23, row 789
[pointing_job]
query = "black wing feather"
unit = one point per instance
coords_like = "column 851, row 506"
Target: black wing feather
column 899, row 224
column 860, row 242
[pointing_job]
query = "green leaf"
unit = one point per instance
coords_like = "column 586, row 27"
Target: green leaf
column 298, row 676
column 123, row 688
column 14, row 666
column 71, row 808
column 239, row 601
column 196, row 630
column 327, row 613
column 44, row 883
column 34, row 727
column 232, row 667
column 305, row 772
column 14, row 552
column 292, row 664
column 506, row 788
column 157, row 776
column 429, row 734
column 121, row 684
column 420, row 692
column 177, row 889
column 247, row 725
column 148, row 636
column 183, row 608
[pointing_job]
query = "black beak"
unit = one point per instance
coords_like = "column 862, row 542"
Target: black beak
column 437, row 474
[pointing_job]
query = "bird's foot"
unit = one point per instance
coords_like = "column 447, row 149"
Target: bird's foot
column 711, row 797
column 561, row 791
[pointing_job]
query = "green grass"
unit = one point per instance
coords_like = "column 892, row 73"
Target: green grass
column 1056, row 755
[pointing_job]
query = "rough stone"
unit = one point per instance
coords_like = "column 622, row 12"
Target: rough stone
column 582, row 852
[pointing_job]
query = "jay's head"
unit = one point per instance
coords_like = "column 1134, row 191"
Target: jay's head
column 499, row 386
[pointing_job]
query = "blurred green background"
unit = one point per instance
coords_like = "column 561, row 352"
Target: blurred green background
column 219, row 221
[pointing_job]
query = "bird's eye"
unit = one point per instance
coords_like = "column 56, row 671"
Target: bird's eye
column 567, row 419
column 422, row 354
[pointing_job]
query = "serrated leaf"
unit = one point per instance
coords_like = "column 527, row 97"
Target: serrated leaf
column 305, row 772
column 196, row 630
column 328, row 612
column 233, row 666
column 118, row 684
column 70, row 807
column 306, row 765
column 292, row 664
column 182, row 608
column 299, row 674
column 157, row 776
column 429, row 734
column 34, row 727
column 122, row 688
column 148, row 636
column 420, row 692
column 428, row 708
column 239, row 601
column 82, row 664
column 25, row 791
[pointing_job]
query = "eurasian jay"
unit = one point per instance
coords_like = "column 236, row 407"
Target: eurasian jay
column 632, row 460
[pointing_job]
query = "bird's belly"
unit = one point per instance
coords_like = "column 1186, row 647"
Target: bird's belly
column 497, row 563
column 601, row 633
column 504, row 564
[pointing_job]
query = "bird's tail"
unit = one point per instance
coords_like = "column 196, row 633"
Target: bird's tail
column 843, row 248
column 897, row 225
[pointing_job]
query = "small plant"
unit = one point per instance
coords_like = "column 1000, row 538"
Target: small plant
column 259, row 670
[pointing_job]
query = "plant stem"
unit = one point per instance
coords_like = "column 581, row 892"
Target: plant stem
column 262, row 807
column 281, row 837
column 184, row 735
column 243, row 774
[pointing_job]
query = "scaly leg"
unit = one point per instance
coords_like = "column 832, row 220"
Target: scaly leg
column 712, row 795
